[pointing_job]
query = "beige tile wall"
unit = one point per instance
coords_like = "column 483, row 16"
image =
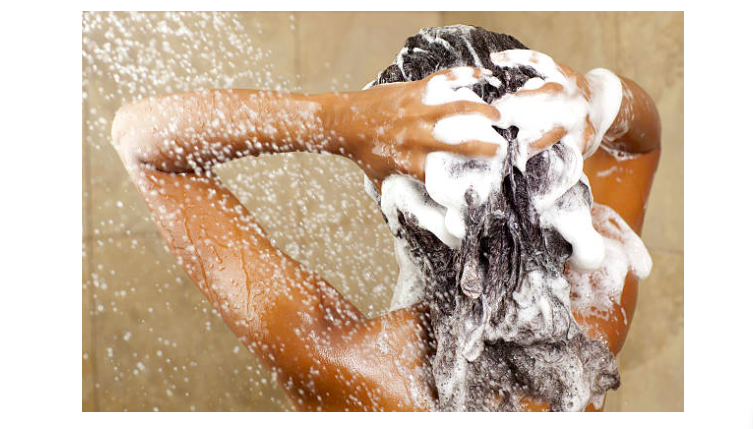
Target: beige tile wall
column 151, row 341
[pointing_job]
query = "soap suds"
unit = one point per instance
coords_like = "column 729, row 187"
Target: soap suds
column 485, row 241
column 606, row 173
column 595, row 291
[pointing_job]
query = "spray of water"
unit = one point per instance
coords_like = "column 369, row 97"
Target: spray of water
column 151, row 341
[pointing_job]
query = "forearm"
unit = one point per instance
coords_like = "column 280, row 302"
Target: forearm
column 193, row 131
column 637, row 127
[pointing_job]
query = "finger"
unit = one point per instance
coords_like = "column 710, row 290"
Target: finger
column 457, row 129
column 522, row 57
column 580, row 80
column 542, row 63
column 566, row 70
column 550, row 88
column 549, row 138
column 466, row 107
column 454, row 85
column 458, row 77
column 471, row 148
column 588, row 138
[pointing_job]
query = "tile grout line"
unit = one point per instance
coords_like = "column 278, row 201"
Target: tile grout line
column 618, row 48
column 93, row 331
column 298, row 80
column 89, row 263
column 297, row 51
column 664, row 250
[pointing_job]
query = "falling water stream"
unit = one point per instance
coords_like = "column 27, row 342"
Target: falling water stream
column 150, row 339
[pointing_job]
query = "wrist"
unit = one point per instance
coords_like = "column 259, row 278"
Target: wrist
column 335, row 116
column 604, row 106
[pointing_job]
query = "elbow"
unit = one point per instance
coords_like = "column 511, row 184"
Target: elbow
column 637, row 127
column 134, row 137
column 645, row 128
column 137, row 138
column 123, row 136
column 653, row 139
column 645, row 133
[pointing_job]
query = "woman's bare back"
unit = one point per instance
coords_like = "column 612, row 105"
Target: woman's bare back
column 324, row 352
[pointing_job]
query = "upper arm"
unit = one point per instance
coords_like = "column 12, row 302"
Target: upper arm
column 276, row 306
column 637, row 127
column 296, row 323
column 321, row 347
column 623, row 185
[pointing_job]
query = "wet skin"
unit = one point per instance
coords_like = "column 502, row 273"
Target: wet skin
column 326, row 354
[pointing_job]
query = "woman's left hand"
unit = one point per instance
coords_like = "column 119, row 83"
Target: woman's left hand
column 556, row 107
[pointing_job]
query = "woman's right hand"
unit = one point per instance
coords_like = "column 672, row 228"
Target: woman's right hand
column 390, row 128
column 564, row 105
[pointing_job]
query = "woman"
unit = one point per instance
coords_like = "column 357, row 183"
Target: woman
column 324, row 352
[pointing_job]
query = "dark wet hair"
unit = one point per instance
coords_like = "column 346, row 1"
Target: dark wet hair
column 487, row 356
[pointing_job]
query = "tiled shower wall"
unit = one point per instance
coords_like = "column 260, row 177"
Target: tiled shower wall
column 150, row 341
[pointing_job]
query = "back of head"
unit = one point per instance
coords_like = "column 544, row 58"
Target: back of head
column 499, row 302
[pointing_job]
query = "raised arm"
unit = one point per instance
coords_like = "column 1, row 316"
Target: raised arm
column 297, row 324
column 621, row 173
column 284, row 313
column 386, row 129
column 616, row 125
column 191, row 132
column 592, row 110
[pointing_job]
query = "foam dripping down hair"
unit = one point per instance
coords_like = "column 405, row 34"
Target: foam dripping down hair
column 499, row 302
